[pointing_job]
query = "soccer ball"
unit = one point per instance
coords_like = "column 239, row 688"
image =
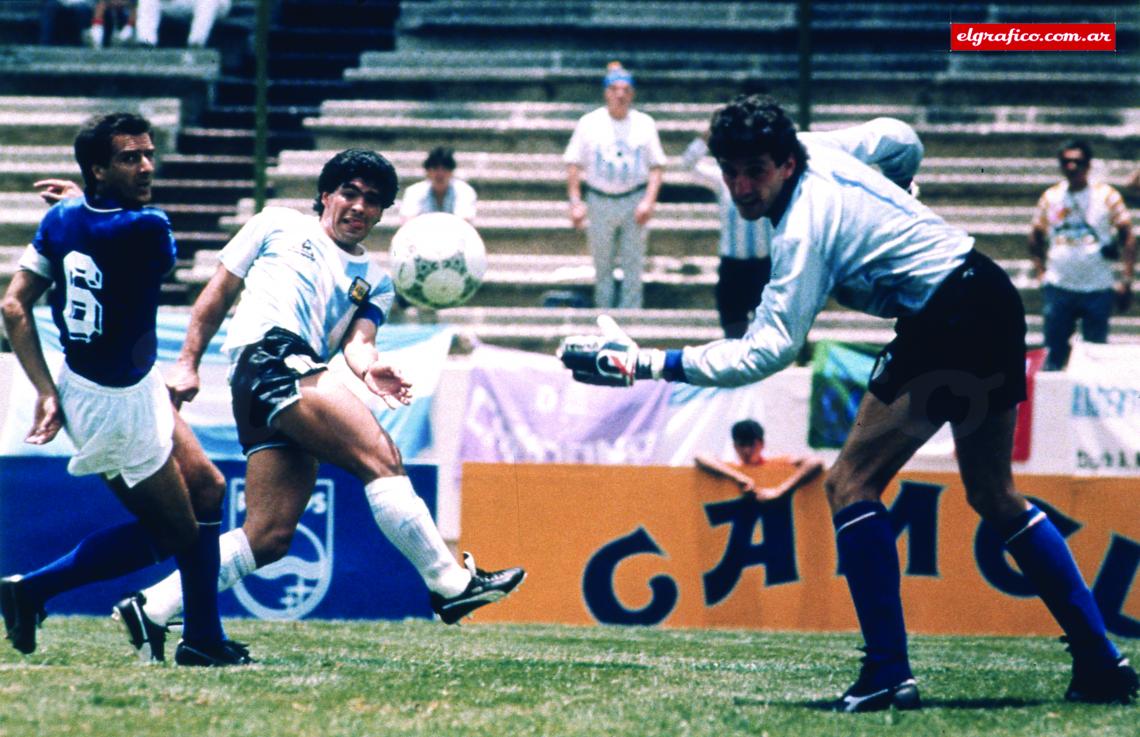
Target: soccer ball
column 437, row 260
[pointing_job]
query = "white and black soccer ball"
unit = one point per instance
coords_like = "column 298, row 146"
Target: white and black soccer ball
column 437, row 260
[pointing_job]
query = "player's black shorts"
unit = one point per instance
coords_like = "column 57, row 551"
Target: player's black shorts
column 962, row 357
column 266, row 380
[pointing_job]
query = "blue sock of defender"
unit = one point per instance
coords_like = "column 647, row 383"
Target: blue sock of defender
column 870, row 562
column 198, row 568
column 1044, row 558
column 102, row 555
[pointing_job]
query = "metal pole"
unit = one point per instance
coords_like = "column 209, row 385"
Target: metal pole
column 803, row 18
column 261, row 106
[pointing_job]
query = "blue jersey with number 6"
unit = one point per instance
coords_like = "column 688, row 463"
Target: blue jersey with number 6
column 107, row 264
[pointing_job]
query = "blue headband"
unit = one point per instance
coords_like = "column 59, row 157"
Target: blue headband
column 617, row 75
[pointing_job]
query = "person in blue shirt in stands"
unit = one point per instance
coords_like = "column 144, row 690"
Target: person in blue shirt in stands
column 107, row 253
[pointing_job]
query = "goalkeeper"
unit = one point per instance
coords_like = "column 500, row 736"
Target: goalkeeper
column 842, row 230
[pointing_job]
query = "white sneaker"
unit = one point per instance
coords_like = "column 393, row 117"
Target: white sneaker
column 93, row 37
column 125, row 35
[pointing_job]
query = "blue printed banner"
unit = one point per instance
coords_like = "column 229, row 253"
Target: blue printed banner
column 340, row 566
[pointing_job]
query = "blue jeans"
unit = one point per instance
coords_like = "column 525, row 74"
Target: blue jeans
column 1062, row 309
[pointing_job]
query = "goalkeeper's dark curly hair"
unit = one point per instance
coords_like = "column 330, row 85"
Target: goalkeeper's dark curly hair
column 754, row 125
column 357, row 163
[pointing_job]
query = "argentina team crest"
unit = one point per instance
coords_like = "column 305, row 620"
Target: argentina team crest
column 359, row 290
column 294, row 586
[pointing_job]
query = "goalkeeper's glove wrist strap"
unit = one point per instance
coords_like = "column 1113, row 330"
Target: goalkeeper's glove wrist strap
column 650, row 364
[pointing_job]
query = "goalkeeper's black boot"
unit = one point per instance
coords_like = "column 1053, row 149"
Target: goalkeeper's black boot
column 485, row 587
column 881, row 686
column 22, row 615
column 146, row 636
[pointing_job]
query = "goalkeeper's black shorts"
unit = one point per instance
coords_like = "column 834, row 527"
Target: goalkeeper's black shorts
column 962, row 357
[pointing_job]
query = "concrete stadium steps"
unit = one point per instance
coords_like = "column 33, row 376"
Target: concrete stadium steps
column 21, row 165
column 677, row 229
column 528, row 280
column 51, row 121
column 185, row 74
column 654, row 24
column 541, row 329
column 545, row 127
column 511, row 176
column 236, row 141
column 670, row 73
column 19, row 21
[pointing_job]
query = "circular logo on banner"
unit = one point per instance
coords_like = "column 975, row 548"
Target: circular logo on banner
column 294, row 586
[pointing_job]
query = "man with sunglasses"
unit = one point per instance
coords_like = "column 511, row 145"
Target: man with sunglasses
column 1080, row 229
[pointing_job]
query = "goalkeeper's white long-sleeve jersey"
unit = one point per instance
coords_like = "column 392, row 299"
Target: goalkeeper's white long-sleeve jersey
column 847, row 232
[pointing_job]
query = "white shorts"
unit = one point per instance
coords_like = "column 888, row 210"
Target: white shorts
column 117, row 431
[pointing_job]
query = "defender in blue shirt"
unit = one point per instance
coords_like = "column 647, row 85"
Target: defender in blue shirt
column 108, row 262
column 107, row 253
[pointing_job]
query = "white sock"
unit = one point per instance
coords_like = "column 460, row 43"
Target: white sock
column 404, row 518
column 164, row 599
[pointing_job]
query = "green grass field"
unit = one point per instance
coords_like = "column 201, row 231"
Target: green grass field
column 332, row 679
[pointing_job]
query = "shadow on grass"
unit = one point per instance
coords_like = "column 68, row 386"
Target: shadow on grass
column 926, row 703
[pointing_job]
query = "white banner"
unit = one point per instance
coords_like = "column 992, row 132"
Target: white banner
column 1104, row 409
column 524, row 407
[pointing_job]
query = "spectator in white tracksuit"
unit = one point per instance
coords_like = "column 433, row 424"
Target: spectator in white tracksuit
column 616, row 161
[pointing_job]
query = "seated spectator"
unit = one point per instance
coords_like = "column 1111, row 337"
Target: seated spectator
column 62, row 21
column 201, row 13
column 441, row 191
column 748, row 442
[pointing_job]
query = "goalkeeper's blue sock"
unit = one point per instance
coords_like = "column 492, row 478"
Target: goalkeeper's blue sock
column 1044, row 558
column 198, row 568
column 870, row 562
column 102, row 555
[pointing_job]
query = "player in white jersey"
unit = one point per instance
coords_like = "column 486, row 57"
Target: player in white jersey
column 843, row 230
column 309, row 289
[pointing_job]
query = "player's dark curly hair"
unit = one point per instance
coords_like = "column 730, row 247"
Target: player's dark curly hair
column 357, row 163
column 754, row 125
column 93, row 142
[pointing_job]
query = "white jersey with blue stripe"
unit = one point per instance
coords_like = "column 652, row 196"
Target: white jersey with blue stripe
column 847, row 232
column 298, row 279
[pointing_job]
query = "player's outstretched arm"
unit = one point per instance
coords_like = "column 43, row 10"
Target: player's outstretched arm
column 54, row 190
column 19, row 322
column 363, row 360
column 205, row 318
